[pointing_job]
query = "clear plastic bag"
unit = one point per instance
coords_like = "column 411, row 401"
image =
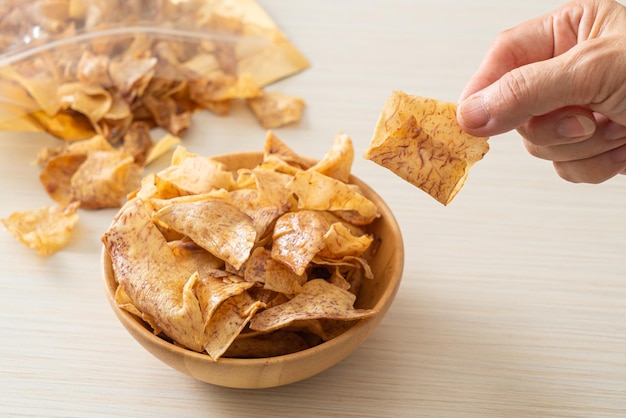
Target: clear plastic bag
column 76, row 68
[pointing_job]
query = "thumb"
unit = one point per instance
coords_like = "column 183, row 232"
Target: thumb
column 574, row 78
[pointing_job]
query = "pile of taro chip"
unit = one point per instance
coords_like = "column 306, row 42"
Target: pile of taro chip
column 247, row 262
column 118, row 69
column 77, row 68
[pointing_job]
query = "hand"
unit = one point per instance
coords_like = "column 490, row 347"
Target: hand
column 560, row 80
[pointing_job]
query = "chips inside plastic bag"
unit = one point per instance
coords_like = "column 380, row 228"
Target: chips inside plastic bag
column 239, row 268
column 77, row 68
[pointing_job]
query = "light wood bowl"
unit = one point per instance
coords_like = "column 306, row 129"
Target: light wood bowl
column 378, row 293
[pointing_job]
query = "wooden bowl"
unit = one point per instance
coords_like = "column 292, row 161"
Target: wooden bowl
column 378, row 293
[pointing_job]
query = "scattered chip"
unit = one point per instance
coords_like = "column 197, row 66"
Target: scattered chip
column 236, row 267
column 274, row 109
column 46, row 229
column 420, row 140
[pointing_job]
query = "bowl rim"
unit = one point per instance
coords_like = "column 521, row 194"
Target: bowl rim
column 363, row 326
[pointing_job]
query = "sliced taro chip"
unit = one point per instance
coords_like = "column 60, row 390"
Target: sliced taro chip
column 227, row 322
column 298, row 237
column 273, row 109
column 146, row 268
column 229, row 235
column 104, row 180
column 316, row 191
column 339, row 242
column 318, row 300
column 337, row 163
column 47, row 229
column 57, row 174
column 281, row 279
column 420, row 140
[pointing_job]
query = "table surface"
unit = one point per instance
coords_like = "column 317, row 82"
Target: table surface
column 513, row 299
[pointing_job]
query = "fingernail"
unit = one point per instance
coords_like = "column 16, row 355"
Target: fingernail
column 473, row 112
column 613, row 131
column 576, row 127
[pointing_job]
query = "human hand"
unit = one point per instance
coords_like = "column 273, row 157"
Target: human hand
column 560, row 80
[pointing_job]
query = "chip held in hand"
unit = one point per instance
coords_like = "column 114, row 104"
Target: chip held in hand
column 419, row 139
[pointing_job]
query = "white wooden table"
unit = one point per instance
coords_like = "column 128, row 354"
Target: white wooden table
column 513, row 301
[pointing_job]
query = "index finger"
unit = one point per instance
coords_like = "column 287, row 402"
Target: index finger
column 536, row 40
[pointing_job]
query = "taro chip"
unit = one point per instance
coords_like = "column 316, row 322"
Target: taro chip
column 192, row 257
column 147, row 269
column 272, row 188
column 298, row 237
column 230, row 236
column 46, row 229
column 420, row 140
column 161, row 147
column 318, row 300
column 273, row 109
column 276, row 149
column 105, row 179
column 138, row 142
column 263, row 217
column 218, row 86
column 228, row 321
column 68, row 125
column 57, row 174
column 281, row 279
column 337, row 163
column 197, row 175
column 319, row 192
column 213, row 291
column 255, row 345
column 91, row 101
column 256, row 266
column 339, row 242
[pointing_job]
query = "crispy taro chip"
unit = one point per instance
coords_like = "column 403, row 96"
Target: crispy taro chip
column 46, row 229
column 146, row 268
column 228, row 321
column 192, row 257
column 161, row 146
column 57, row 174
column 105, row 179
column 420, row 140
column 213, row 291
column 216, row 226
column 316, row 191
column 318, row 300
column 339, row 242
column 276, row 149
column 197, row 175
column 337, row 163
column 298, row 237
column 273, row 109
column 282, row 279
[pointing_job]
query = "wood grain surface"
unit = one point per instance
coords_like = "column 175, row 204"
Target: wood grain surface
column 513, row 301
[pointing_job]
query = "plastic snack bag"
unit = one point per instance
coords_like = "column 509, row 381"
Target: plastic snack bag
column 80, row 68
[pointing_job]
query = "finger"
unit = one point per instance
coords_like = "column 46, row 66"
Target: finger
column 575, row 151
column 593, row 170
column 580, row 76
column 536, row 40
column 607, row 136
column 562, row 126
